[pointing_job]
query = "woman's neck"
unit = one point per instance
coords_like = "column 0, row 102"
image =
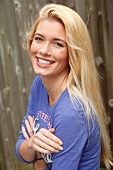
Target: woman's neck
column 54, row 87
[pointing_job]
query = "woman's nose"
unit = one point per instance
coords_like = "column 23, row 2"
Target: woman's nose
column 45, row 49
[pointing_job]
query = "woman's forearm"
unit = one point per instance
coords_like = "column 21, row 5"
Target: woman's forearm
column 27, row 152
column 40, row 165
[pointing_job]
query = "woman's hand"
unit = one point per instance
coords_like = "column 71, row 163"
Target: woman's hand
column 44, row 141
column 39, row 164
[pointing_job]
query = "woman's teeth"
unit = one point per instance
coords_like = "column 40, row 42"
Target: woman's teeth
column 44, row 62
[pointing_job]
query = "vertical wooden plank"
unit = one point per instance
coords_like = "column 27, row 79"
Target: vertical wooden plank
column 13, row 99
column 24, row 19
column 39, row 4
column 107, row 7
column 12, row 61
column 95, row 28
column 3, row 83
column 82, row 9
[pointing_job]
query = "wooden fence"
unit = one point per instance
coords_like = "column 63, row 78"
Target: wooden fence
column 16, row 73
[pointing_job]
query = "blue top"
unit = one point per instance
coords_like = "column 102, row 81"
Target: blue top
column 81, row 142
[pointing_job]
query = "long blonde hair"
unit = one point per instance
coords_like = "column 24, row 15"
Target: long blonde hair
column 83, row 72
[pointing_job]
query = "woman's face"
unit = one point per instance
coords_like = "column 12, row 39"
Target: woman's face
column 49, row 53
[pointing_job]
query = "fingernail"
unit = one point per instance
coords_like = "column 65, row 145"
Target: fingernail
column 60, row 142
column 57, row 151
column 61, row 148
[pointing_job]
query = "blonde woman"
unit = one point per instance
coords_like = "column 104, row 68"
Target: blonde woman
column 65, row 97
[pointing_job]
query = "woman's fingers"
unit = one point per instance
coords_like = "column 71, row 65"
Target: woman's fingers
column 31, row 121
column 52, row 130
column 29, row 128
column 43, row 150
column 47, row 142
column 25, row 133
column 45, row 147
column 49, row 134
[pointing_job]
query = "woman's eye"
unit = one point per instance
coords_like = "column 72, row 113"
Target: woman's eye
column 38, row 39
column 58, row 44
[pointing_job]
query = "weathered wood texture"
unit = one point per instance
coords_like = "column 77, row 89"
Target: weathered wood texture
column 16, row 73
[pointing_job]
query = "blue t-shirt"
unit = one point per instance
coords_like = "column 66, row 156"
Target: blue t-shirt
column 81, row 141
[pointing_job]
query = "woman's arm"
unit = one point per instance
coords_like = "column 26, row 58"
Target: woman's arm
column 71, row 128
column 39, row 164
column 44, row 141
column 43, row 135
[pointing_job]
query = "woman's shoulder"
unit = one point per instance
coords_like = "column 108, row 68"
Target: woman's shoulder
column 37, row 86
column 66, row 102
column 37, row 82
column 69, row 111
column 66, row 109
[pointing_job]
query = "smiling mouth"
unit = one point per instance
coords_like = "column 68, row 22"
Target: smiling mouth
column 44, row 62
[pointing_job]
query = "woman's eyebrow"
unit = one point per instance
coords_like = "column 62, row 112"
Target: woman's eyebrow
column 59, row 39
column 39, row 34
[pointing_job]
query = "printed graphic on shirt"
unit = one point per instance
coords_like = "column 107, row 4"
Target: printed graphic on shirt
column 36, row 125
column 47, row 158
column 42, row 120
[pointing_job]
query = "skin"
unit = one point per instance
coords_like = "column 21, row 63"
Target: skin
column 39, row 165
column 50, row 46
column 49, row 56
column 43, row 135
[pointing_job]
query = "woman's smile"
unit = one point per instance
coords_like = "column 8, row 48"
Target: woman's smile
column 43, row 63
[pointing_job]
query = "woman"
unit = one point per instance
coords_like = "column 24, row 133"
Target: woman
column 65, row 97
